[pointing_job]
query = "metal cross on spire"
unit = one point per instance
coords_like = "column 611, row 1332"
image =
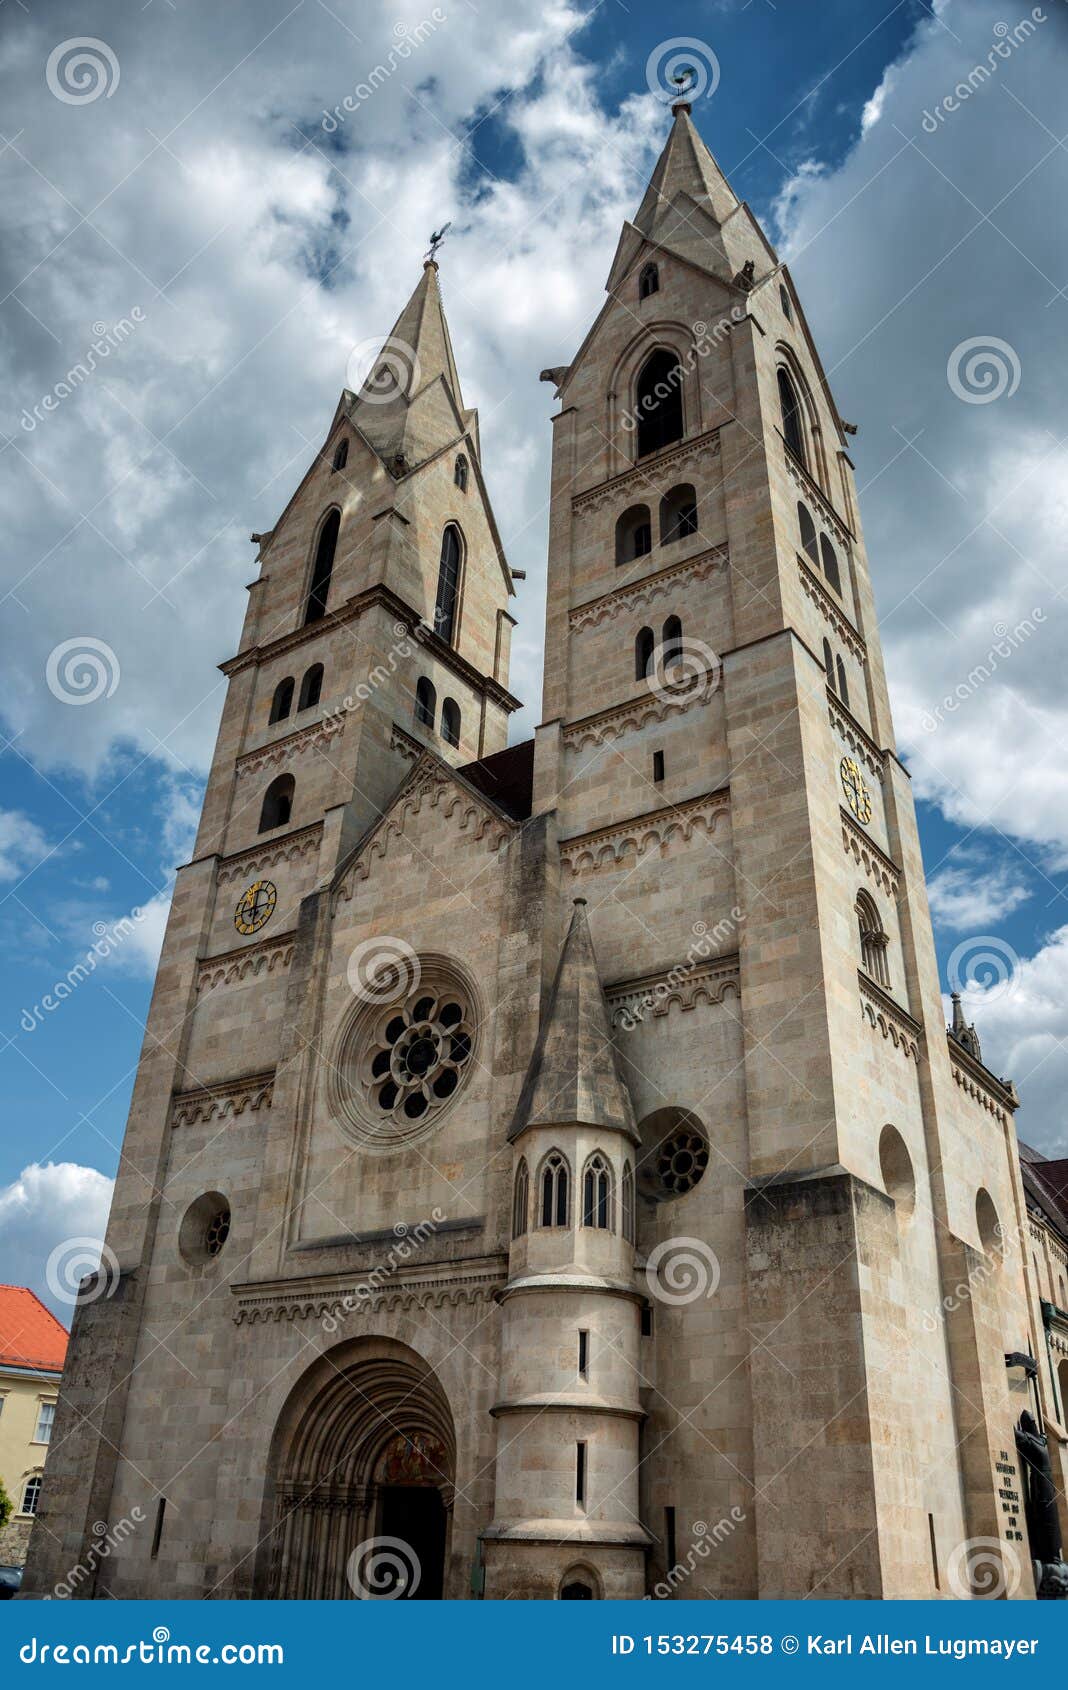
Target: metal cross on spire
column 436, row 239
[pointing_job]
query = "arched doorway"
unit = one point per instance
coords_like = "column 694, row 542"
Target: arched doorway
column 360, row 1486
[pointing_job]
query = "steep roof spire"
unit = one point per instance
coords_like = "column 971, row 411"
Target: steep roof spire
column 410, row 404
column 573, row 1079
column 684, row 167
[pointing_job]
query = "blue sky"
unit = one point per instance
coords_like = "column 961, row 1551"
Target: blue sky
column 258, row 249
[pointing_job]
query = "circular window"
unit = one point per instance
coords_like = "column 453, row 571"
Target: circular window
column 401, row 1064
column 205, row 1228
column 680, row 1162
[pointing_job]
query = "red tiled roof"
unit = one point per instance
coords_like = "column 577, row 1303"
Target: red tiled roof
column 29, row 1335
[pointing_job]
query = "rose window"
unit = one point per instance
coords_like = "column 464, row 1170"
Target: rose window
column 680, row 1162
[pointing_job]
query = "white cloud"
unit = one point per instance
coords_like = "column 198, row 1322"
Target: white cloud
column 968, row 897
column 47, row 1206
column 22, row 844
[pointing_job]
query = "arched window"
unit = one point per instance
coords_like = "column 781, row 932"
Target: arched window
column 792, row 431
column 341, row 456
column 873, row 941
column 448, row 583
column 843, row 684
column 311, row 687
column 648, row 281
column 634, row 534
column 672, row 641
column 459, row 473
column 627, row 1195
column 277, row 803
column 576, row 1590
column 520, row 1199
column 658, row 402
column 784, row 301
column 828, row 663
column 450, row 722
column 678, row 514
column 554, row 1193
column 323, row 568
column 809, row 544
column 282, row 702
column 830, row 563
column 426, row 702
column 644, row 647
column 31, row 1495
column 597, row 1194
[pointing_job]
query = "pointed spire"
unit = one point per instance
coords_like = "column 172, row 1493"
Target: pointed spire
column 573, row 1079
column 684, row 167
column 422, row 327
column 411, row 403
column 964, row 1034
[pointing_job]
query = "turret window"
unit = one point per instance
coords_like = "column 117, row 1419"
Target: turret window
column 277, row 803
column 459, row 473
column 809, row 543
column 634, row 534
column 658, row 402
column 873, row 941
column 450, row 722
column 792, row 430
column 341, row 456
column 830, row 563
column 648, row 281
column 678, row 514
column 644, row 648
column 784, row 301
column 597, row 1194
column 426, row 700
column 828, row 663
column 672, row 641
column 445, row 606
column 323, row 568
column 282, row 702
column 521, row 1199
column 311, row 687
column 843, row 685
column 554, row 1191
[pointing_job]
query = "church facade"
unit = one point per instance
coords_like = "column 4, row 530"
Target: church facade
column 549, row 1173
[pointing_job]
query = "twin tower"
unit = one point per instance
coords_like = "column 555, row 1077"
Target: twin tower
column 547, row 1173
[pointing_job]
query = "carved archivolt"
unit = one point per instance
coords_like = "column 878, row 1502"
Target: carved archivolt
column 293, row 745
column 856, row 739
column 824, row 603
column 879, row 868
column 640, row 593
column 223, row 1101
column 979, row 1095
column 893, row 1024
column 432, row 790
column 628, row 718
column 273, row 956
column 361, row 1296
column 684, row 986
column 660, row 830
column 293, row 849
column 655, row 479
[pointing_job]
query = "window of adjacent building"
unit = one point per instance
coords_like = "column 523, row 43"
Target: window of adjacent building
column 323, row 568
column 31, row 1495
column 46, row 1414
column 658, row 402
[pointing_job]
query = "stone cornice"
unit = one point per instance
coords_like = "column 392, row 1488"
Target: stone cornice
column 832, row 612
column 685, row 984
column 608, row 846
column 575, row 1402
column 291, row 745
column 812, row 490
column 640, row 593
column 430, row 787
column 894, row 1023
column 222, row 1100
column 295, row 846
column 408, row 747
column 649, row 474
column 269, row 956
column 867, row 855
column 857, row 738
column 980, row 1084
column 652, row 706
column 366, row 1291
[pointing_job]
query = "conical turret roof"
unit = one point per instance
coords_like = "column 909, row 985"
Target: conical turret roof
column 411, row 403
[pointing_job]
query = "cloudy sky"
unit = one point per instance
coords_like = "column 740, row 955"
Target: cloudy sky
column 190, row 191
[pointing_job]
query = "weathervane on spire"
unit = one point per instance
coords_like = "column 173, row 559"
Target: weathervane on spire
column 436, row 239
column 684, row 81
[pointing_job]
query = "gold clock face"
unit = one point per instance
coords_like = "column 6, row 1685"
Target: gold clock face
column 255, row 906
column 853, row 785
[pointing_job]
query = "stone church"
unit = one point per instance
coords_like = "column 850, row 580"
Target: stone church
column 549, row 1173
